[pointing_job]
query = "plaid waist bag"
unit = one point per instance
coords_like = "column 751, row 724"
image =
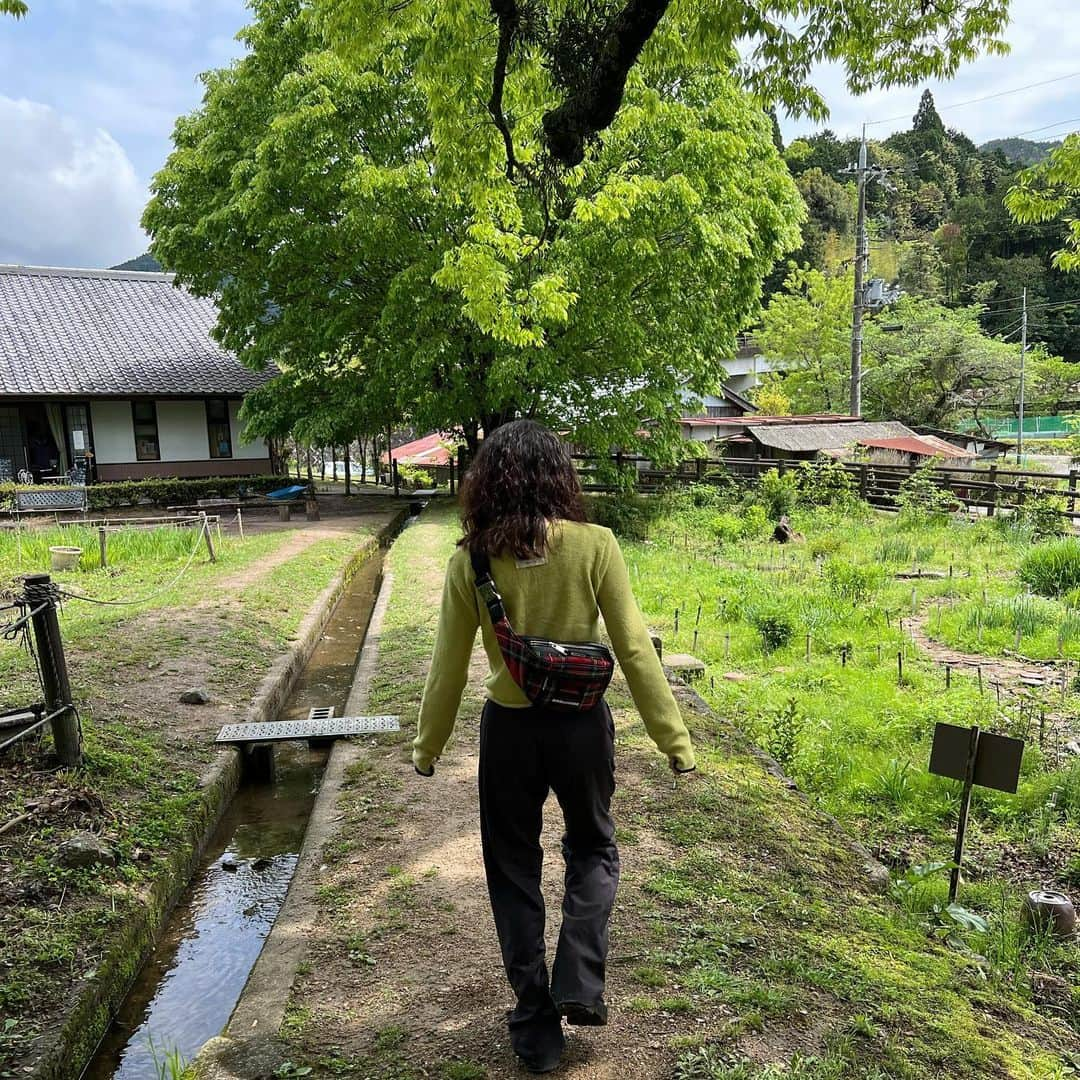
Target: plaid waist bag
column 560, row 675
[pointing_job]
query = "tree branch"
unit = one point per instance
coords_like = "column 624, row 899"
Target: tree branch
column 592, row 108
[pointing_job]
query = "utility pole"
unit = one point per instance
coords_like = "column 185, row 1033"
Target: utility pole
column 861, row 252
column 863, row 175
column 1023, row 354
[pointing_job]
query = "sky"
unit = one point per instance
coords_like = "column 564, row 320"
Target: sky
column 90, row 89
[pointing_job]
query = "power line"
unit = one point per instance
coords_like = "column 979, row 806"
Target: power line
column 985, row 97
column 1031, row 131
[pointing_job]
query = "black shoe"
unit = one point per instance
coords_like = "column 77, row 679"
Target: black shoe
column 542, row 1065
column 584, row 1015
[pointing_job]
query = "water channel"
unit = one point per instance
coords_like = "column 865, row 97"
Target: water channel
column 188, row 988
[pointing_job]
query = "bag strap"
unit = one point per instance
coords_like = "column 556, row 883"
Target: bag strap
column 485, row 585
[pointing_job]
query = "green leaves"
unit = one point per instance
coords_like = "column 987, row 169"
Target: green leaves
column 1050, row 190
column 357, row 238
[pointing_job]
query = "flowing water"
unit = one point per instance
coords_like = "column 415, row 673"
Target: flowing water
column 187, row 990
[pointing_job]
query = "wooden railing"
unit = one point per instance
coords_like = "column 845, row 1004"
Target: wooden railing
column 991, row 488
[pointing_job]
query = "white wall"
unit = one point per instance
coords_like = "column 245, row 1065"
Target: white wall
column 256, row 448
column 114, row 432
column 182, row 433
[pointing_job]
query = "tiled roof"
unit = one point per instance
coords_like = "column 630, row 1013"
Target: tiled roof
column 110, row 333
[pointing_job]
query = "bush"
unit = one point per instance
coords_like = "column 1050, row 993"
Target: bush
column 1039, row 515
column 825, row 483
column 414, row 476
column 1052, row 569
column 775, row 625
column 166, row 491
column 852, row 581
column 921, row 496
column 626, row 515
column 779, row 492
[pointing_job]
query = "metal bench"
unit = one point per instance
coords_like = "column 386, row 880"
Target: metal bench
column 51, row 500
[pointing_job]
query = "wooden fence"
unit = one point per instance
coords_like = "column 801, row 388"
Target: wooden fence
column 991, row 489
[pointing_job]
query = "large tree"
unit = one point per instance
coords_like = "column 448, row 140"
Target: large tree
column 343, row 224
column 553, row 74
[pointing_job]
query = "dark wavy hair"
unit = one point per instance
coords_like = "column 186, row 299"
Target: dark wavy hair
column 521, row 478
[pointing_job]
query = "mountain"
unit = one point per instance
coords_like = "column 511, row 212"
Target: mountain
column 1021, row 151
column 146, row 263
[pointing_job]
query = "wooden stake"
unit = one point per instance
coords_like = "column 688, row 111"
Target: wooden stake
column 103, row 546
column 900, row 667
column 809, row 641
column 965, row 806
column 979, row 672
column 205, row 525
column 948, row 676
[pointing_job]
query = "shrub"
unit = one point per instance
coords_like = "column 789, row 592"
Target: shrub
column 167, row 491
column 414, row 476
column 852, row 581
column 1052, row 569
column 921, row 496
column 775, row 625
column 825, row 483
column 779, row 492
column 1039, row 515
column 626, row 515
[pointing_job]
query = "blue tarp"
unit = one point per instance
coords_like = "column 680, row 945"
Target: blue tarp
column 287, row 493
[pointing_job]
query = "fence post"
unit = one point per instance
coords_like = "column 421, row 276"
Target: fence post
column 38, row 591
column 992, row 499
column 397, row 479
column 1072, row 490
column 205, row 524
column 699, row 468
column 103, row 546
column 863, row 488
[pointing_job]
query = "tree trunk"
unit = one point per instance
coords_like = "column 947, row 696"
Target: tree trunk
column 310, row 476
column 348, row 470
column 333, row 458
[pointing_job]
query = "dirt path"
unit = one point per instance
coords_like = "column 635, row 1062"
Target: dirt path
column 412, row 977
column 1010, row 673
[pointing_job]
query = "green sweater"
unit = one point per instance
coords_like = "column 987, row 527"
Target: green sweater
column 562, row 596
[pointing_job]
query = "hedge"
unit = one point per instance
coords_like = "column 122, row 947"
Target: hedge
column 164, row 491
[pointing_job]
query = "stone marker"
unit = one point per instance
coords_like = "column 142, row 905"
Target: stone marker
column 685, row 665
column 195, row 697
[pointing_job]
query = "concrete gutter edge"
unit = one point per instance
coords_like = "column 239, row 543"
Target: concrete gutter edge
column 100, row 996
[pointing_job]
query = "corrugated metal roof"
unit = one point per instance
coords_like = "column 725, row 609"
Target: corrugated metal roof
column 110, row 333
column 809, row 437
column 427, row 450
column 923, row 445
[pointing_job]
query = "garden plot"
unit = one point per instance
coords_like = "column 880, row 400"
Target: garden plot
column 840, row 669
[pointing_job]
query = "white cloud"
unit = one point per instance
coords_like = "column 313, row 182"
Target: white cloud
column 70, row 193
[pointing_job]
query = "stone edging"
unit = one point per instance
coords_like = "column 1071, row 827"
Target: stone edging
column 99, row 997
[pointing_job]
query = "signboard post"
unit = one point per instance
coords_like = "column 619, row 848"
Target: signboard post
column 973, row 757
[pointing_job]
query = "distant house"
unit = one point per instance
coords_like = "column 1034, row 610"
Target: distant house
column 883, row 440
column 117, row 369
column 977, row 444
column 428, row 451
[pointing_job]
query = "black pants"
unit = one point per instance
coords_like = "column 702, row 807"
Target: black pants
column 524, row 753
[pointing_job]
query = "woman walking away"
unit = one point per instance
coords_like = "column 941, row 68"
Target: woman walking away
column 536, row 578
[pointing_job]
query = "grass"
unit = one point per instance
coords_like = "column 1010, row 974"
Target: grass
column 139, row 786
column 822, row 694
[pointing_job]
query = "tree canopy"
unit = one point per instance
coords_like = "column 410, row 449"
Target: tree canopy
column 13, row 7
column 1050, row 190
column 327, row 203
column 552, row 74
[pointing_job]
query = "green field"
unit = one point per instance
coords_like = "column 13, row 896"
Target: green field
column 808, row 649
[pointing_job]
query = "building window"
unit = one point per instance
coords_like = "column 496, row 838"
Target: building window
column 144, row 415
column 217, row 425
